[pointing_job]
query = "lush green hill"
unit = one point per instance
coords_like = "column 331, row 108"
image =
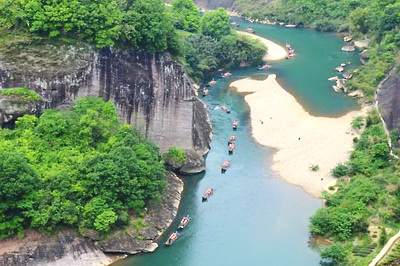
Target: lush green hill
column 77, row 168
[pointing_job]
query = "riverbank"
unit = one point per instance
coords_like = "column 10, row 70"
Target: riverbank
column 275, row 51
column 302, row 140
column 68, row 247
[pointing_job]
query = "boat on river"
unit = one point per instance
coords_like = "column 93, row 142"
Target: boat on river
column 205, row 92
column 224, row 108
column 207, row 193
column 184, row 222
column 234, row 24
column 172, row 238
column 266, row 66
column 225, row 166
column 235, row 124
column 231, row 147
column 250, row 30
column 212, row 82
column 226, row 75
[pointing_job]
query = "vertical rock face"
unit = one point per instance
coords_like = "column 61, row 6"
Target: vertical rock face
column 151, row 91
column 388, row 97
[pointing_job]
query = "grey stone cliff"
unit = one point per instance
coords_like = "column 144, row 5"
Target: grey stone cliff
column 388, row 96
column 151, row 91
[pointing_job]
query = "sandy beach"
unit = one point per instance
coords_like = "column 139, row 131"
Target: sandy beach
column 279, row 121
column 275, row 51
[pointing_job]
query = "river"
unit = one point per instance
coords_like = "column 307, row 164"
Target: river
column 253, row 217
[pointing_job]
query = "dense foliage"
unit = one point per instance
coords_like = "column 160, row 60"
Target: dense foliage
column 367, row 192
column 137, row 24
column 186, row 15
column 76, row 168
column 213, row 45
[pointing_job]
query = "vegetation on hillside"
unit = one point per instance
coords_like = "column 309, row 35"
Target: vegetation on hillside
column 365, row 19
column 213, row 44
column 77, row 168
column 367, row 200
column 139, row 24
column 20, row 95
column 366, row 204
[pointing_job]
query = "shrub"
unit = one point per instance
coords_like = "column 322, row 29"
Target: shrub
column 21, row 95
column 314, row 167
column 335, row 253
column 340, row 170
column 357, row 123
column 175, row 155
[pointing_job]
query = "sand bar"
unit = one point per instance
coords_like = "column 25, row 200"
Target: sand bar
column 275, row 51
column 279, row 121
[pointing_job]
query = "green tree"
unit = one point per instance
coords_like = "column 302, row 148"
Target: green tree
column 152, row 27
column 359, row 19
column 336, row 253
column 186, row 15
column 215, row 23
column 18, row 183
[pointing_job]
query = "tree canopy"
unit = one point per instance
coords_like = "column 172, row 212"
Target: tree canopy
column 215, row 23
column 186, row 15
column 77, row 168
column 138, row 24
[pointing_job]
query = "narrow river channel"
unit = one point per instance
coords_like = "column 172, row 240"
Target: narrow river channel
column 253, row 217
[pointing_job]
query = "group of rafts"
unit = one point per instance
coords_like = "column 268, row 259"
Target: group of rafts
column 209, row 191
column 225, row 165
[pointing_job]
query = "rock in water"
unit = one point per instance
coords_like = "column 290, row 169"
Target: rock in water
column 348, row 48
column 339, row 69
column 356, row 94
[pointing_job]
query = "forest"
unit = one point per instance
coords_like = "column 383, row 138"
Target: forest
column 79, row 168
column 202, row 44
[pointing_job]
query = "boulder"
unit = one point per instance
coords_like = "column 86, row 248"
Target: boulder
column 335, row 78
column 343, row 64
column 364, row 57
column 347, row 38
column 339, row 69
column 340, row 84
column 363, row 44
column 335, row 88
column 194, row 164
column 347, row 75
column 348, row 48
column 356, row 94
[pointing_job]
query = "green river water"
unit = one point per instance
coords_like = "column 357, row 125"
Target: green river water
column 254, row 218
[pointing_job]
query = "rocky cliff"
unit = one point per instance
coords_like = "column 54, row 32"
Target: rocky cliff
column 151, row 91
column 69, row 248
column 388, row 97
